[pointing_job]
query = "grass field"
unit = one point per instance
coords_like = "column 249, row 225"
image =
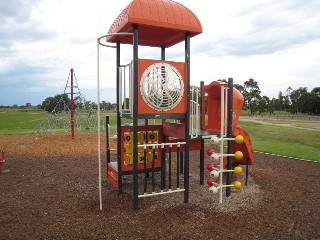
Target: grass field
column 283, row 137
column 286, row 139
column 20, row 121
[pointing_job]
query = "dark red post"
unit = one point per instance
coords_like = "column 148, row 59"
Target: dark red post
column 72, row 105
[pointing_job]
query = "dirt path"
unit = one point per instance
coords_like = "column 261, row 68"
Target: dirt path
column 314, row 124
column 49, row 190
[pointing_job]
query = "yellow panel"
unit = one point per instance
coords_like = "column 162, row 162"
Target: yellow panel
column 141, row 137
column 152, row 137
column 128, row 158
column 129, row 148
column 149, row 149
column 140, row 158
column 128, row 137
column 150, row 156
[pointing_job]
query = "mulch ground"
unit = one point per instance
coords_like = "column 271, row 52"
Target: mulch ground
column 49, row 190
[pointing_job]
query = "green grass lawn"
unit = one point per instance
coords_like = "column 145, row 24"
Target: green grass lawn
column 289, row 141
column 20, row 121
column 299, row 143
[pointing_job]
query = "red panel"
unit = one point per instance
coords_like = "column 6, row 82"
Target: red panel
column 113, row 175
column 176, row 130
column 195, row 145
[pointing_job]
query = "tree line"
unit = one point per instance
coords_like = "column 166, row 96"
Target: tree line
column 50, row 103
column 295, row 101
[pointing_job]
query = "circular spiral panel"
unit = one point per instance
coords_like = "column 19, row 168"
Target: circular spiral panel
column 161, row 86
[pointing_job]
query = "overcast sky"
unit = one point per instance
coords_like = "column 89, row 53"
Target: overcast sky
column 275, row 42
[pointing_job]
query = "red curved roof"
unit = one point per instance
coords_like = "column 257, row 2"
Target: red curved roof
column 161, row 22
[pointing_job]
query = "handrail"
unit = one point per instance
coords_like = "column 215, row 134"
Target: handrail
column 109, row 35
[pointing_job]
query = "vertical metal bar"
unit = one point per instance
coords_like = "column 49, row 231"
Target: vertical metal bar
column 145, row 168
column 181, row 162
column 163, row 150
column 135, row 118
column 107, row 139
column 170, row 149
column 178, row 166
column 163, row 52
column 202, row 140
column 130, row 87
column 247, row 171
column 119, row 137
column 152, row 169
column 124, row 88
column 191, row 110
column 222, row 118
column 98, row 124
column 120, row 88
column 229, row 134
column 187, row 136
column 163, row 167
column 197, row 110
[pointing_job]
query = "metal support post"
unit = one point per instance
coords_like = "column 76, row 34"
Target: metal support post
column 229, row 134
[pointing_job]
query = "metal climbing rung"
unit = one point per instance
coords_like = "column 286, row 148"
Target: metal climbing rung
column 164, row 147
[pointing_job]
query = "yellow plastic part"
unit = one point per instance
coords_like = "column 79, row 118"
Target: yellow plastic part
column 237, row 184
column 129, row 148
column 141, row 137
column 152, row 137
column 239, row 139
column 150, row 157
column 140, row 158
column 128, row 159
column 128, row 137
column 238, row 170
column 238, row 155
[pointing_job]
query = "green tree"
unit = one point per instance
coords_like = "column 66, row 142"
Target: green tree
column 298, row 98
column 272, row 106
column 263, row 104
column 125, row 103
column 315, row 104
column 239, row 87
column 280, row 102
column 51, row 103
column 103, row 106
column 109, row 106
column 251, row 95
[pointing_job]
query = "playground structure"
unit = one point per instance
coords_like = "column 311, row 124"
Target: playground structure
column 67, row 116
column 159, row 89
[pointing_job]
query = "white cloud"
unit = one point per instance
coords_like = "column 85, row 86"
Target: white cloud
column 273, row 41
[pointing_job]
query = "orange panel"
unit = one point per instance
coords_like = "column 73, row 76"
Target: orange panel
column 167, row 17
column 245, row 147
column 213, row 93
column 143, row 107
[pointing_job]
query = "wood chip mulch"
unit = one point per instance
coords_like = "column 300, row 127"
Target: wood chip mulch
column 49, row 190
